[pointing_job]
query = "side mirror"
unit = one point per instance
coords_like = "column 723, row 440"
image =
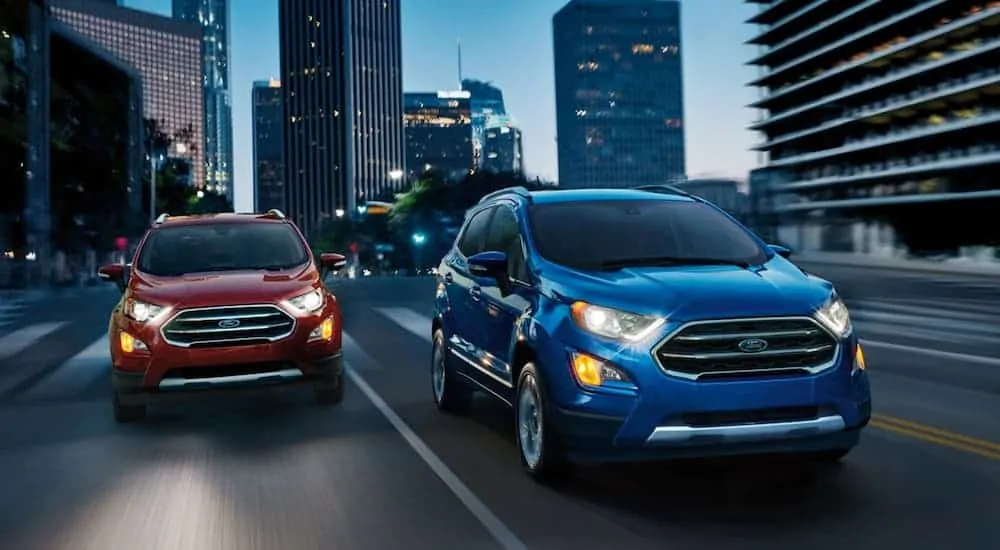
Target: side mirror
column 113, row 273
column 782, row 251
column 488, row 264
column 332, row 261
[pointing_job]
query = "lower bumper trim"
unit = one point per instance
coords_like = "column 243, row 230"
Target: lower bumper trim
column 746, row 432
column 254, row 378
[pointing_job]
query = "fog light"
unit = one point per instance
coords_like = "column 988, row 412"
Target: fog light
column 324, row 331
column 859, row 359
column 591, row 371
column 130, row 344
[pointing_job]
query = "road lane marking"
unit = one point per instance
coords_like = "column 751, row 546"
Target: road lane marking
column 76, row 374
column 22, row 339
column 927, row 314
column 507, row 539
column 929, row 434
column 980, row 359
column 359, row 357
column 409, row 320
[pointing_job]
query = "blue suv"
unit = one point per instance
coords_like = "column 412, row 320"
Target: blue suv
column 642, row 324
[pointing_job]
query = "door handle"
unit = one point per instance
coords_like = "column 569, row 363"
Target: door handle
column 449, row 278
column 475, row 292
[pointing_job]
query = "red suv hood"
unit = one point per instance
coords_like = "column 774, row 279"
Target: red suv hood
column 225, row 288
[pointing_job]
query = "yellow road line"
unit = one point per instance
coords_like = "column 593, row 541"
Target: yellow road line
column 937, row 436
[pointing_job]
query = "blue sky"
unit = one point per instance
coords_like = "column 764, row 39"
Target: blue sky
column 509, row 42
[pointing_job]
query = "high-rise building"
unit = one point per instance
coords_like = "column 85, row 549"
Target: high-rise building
column 502, row 149
column 341, row 67
column 439, row 133
column 268, row 146
column 486, row 100
column 166, row 52
column 619, row 93
column 879, row 122
column 213, row 18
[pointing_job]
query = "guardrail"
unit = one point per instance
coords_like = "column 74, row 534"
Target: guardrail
column 978, row 269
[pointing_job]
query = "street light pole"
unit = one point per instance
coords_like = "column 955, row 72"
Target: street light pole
column 152, row 187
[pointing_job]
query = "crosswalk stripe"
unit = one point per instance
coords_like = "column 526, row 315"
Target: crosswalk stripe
column 21, row 339
column 409, row 320
column 356, row 354
column 76, row 374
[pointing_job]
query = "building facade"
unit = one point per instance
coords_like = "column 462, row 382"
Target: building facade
column 167, row 53
column 213, row 18
column 486, row 100
column 619, row 93
column 502, row 148
column 439, row 133
column 268, row 146
column 341, row 67
column 724, row 193
column 879, row 123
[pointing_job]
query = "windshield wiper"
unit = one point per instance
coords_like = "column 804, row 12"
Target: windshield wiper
column 657, row 261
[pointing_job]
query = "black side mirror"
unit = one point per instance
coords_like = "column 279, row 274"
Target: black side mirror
column 493, row 265
column 782, row 251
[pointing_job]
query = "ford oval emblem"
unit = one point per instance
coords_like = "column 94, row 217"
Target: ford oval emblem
column 233, row 323
column 752, row 345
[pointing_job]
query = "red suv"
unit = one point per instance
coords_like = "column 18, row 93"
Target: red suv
column 223, row 301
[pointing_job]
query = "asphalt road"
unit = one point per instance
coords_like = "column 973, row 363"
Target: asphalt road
column 386, row 470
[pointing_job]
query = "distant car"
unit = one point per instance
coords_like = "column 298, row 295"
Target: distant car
column 642, row 324
column 223, row 301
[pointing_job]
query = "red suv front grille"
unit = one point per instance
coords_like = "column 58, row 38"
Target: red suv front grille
column 228, row 326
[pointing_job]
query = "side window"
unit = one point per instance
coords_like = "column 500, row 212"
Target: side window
column 505, row 236
column 474, row 237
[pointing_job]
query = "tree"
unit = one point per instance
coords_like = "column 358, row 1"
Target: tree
column 174, row 193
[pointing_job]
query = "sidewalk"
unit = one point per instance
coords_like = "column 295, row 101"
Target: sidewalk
column 954, row 267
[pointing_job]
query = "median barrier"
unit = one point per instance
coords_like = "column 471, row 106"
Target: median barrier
column 978, row 269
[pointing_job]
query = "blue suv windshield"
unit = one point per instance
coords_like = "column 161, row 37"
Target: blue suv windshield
column 613, row 234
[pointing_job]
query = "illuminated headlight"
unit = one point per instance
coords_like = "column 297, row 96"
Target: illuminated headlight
column 835, row 317
column 310, row 302
column 591, row 371
column 615, row 324
column 142, row 312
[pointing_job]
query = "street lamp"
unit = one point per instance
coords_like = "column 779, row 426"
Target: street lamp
column 418, row 239
column 395, row 175
column 339, row 212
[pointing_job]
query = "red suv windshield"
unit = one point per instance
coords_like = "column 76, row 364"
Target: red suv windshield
column 198, row 248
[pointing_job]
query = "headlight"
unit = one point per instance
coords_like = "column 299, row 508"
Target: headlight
column 140, row 311
column 611, row 323
column 835, row 317
column 310, row 302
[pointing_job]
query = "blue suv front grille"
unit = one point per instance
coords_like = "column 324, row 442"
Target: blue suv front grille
column 746, row 348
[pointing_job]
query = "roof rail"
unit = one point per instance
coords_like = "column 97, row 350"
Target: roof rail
column 517, row 190
column 275, row 213
column 668, row 190
column 161, row 218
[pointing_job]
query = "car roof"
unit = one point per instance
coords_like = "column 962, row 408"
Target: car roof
column 585, row 195
column 228, row 217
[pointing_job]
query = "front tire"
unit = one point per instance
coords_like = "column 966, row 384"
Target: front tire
column 126, row 412
column 537, row 444
column 332, row 392
column 450, row 394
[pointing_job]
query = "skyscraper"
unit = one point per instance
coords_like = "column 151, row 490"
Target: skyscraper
column 268, row 146
column 502, row 150
column 341, row 67
column 438, row 133
column 486, row 100
column 213, row 18
column 619, row 93
column 167, row 53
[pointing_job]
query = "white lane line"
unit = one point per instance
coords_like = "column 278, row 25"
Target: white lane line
column 980, row 359
column 939, row 323
column 923, row 333
column 22, row 339
column 357, row 354
column 931, row 312
column 409, row 320
column 76, row 374
column 477, row 507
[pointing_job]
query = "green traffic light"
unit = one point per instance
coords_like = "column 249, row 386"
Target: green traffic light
column 419, row 238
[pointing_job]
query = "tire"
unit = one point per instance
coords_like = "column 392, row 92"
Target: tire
column 125, row 414
column 451, row 395
column 538, row 446
column 330, row 393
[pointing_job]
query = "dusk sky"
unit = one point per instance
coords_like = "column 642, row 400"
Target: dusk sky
column 509, row 42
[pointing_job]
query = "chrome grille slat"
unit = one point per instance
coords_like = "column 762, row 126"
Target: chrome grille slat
column 711, row 348
column 205, row 327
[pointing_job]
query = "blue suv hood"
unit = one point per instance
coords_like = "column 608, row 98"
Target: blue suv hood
column 695, row 292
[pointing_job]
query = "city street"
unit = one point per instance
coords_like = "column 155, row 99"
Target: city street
column 386, row 470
